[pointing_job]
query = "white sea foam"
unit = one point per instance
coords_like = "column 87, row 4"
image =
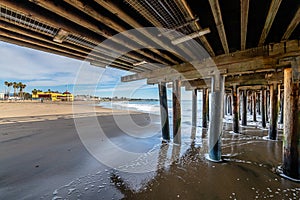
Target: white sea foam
column 153, row 107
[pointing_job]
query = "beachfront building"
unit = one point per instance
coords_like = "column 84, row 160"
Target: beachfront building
column 53, row 96
column 2, row 95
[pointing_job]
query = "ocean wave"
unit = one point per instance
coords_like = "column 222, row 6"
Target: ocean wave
column 137, row 106
column 152, row 107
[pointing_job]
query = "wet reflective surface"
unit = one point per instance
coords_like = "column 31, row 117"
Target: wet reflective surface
column 52, row 165
column 248, row 171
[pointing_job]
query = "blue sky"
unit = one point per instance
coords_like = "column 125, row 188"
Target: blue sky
column 45, row 71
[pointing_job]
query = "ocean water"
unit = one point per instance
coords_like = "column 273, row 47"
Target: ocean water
column 153, row 107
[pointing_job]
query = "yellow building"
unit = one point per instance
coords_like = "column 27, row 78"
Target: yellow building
column 53, row 96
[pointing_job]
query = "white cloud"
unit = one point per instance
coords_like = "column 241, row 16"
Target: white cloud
column 25, row 64
column 129, row 87
column 38, row 68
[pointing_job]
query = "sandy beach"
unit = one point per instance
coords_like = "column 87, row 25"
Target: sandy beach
column 34, row 111
column 48, row 159
column 36, row 108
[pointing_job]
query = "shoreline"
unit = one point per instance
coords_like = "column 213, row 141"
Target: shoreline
column 15, row 109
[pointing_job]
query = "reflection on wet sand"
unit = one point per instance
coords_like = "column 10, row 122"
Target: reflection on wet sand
column 248, row 170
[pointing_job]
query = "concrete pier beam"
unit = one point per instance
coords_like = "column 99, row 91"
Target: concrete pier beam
column 235, row 112
column 244, row 108
column 194, row 108
column 291, row 136
column 273, row 111
column 177, row 111
column 216, row 119
column 205, row 108
column 164, row 111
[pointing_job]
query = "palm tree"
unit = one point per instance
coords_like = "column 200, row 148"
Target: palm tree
column 34, row 91
column 8, row 84
column 20, row 84
column 27, row 95
column 22, row 87
column 16, row 86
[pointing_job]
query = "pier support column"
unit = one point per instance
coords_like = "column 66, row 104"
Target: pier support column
column 258, row 103
column 244, row 107
column 281, row 109
column 194, row 108
column 263, row 107
column 177, row 111
column 225, row 105
column 273, row 111
column 239, row 96
column 207, row 103
column 254, row 105
column 164, row 111
column 250, row 102
column 279, row 101
column 291, row 145
column 216, row 119
column 204, row 107
column 267, row 105
column 235, row 112
column 229, row 104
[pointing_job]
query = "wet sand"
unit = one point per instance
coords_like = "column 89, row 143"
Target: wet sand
column 47, row 160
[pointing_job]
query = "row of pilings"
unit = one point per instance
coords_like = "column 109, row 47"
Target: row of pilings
column 268, row 101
